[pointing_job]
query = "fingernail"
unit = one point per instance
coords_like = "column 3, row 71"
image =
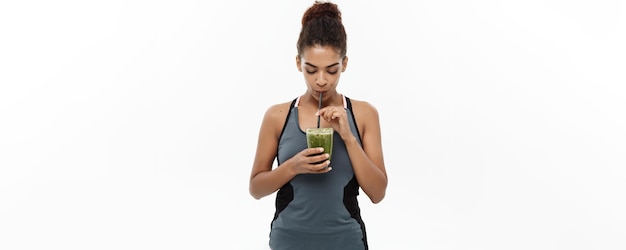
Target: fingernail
column 317, row 113
column 330, row 168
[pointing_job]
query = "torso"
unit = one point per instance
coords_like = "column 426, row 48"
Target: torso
column 316, row 208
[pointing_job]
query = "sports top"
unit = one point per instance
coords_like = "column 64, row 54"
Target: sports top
column 317, row 211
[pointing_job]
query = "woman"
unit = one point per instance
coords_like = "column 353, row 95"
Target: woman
column 316, row 203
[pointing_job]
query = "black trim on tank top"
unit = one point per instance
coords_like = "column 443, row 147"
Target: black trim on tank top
column 349, row 104
column 283, row 197
column 285, row 194
column 351, row 203
column 286, row 120
column 351, row 190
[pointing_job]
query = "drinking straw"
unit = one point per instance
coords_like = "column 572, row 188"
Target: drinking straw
column 319, row 106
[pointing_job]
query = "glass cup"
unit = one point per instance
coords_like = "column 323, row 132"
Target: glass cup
column 320, row 137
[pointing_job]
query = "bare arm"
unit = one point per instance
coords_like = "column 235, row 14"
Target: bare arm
column 264, row 181
column 367, row 161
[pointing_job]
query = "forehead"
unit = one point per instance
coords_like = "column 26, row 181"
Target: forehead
column 320, row 55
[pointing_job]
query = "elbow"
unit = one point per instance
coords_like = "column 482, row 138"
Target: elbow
column 254, row 192
column 255, row 195
column 377, row 198
column 379, row 195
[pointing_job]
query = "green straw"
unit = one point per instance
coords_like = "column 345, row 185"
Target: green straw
column 319, row 106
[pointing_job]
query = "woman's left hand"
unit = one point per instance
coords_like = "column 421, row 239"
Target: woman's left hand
column 337, row 117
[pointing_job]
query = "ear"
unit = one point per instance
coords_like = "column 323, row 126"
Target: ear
column 298, row 63
column 344, row 63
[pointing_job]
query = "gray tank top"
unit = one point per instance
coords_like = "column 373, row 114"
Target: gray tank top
column 317, row 211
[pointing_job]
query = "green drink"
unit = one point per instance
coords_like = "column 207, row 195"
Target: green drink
column 320, row 137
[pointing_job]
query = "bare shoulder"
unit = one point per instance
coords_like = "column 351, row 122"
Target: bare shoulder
column 363, row 109
column 366, row 116
column 276, row 114
column 279, row 110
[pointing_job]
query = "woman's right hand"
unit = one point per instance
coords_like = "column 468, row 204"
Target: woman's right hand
column 311, row 161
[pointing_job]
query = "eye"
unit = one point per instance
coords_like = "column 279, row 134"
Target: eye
column 332, row 72
column 311, row 71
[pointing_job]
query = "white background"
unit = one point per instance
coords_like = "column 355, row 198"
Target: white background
column 133, row 124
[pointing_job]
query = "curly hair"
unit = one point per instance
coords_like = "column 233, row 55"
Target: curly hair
column 322, row 25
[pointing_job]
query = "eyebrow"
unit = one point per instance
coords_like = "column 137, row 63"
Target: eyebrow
column 326, row 66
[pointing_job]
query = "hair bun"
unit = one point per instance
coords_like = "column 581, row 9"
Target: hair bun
column 321, row 9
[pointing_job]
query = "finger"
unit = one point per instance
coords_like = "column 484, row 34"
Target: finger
column 336, row 114
column 314, row 151
column 330, row 115
column 322, row 167
column 319, row 158
column 326, row 112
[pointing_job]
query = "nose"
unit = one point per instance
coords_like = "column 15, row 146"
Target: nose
column 321, row 79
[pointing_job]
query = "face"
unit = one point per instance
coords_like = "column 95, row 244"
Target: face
column 321, row 66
